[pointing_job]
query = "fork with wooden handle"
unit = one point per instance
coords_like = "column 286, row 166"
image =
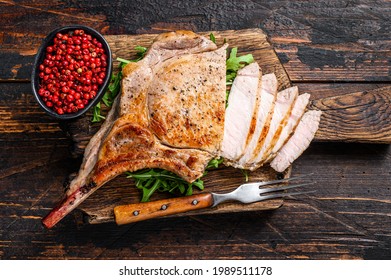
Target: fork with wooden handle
column 245, row 193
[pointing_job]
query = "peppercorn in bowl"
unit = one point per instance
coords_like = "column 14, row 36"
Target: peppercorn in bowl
column 71, row 71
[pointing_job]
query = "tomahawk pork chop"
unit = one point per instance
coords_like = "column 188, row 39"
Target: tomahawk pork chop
column 172, row 114
column 169, row 115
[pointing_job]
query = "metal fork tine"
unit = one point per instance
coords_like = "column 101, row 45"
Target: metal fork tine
column 253, row 192
column 274, row 182
column 282, row 188
column 278, row 195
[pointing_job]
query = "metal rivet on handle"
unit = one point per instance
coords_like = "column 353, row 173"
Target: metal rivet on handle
column 194, row 202
column 135, row 213
column 164, row 207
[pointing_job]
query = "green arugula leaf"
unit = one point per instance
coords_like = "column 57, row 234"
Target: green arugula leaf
column 214, row 163
column 141, row 51
column 152, row 180
column 212, row 37
column 234, row 63
column 97, row 117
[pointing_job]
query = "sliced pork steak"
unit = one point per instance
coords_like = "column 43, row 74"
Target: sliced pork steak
column 241, row 113
column 300, row 140
column 282, row 110
column 263, row 117
column 297, row 112
column 167, row 116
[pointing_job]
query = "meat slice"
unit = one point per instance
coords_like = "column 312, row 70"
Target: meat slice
column 240, row 115
column 263, row 117
column 282, row 110
column 297, row 112
column 153, row 124
column 300, row 140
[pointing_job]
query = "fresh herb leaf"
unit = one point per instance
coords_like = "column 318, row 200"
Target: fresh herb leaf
column 151, row 180
column 214, row 163
column 245, row 173
column 108, row 98
column 97, row 117
column 234, row 63
column 125, row 61
column 212, row 37
column 141, row 51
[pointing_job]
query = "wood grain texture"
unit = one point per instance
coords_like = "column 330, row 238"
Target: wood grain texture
column 356, row 117
column 316, row 41
column 347, row 218
column 131, row 213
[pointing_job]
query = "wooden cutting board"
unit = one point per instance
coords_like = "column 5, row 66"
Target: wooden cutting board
column 352, row 117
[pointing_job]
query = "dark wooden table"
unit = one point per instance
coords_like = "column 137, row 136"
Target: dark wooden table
column 326, row 47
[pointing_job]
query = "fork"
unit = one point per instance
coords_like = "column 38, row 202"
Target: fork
column 245, row 193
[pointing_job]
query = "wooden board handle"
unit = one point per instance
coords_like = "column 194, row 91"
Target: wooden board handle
column 357, row 117
column 131, row 213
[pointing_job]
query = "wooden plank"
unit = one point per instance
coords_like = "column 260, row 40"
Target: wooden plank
column 337, row 62
column 328, row 40
column 357, row 117
column 99, row 207
column 316, row 41
column 333, row 89
column 20, row 113
column 353, row 112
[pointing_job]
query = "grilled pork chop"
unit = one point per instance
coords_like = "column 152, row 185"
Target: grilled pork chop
column 170, row 115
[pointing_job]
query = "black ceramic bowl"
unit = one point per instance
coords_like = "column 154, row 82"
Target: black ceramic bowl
column 35, row 80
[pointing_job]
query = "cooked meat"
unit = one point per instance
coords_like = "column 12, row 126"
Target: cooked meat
column 169, row 115
column 297, row 112
column 300, row 140
column 264, row 114
column 282, row 110
column 189, row 112
column 241, row 113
